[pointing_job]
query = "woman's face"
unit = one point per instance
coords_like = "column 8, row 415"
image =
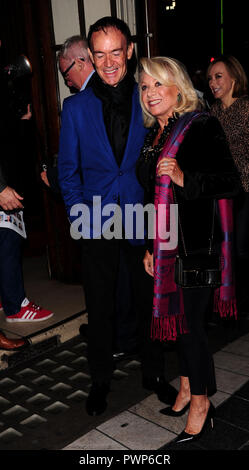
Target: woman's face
column 220, row 82
column 159, row 100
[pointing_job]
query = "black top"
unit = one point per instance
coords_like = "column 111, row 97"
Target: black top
column 117, row 106
column 209, row 172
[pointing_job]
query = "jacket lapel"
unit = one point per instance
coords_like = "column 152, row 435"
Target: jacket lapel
column 96, row 117
column 135, row 125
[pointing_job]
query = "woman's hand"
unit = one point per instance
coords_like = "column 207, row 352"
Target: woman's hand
column 28, row 114
column 170, row 167
column 148, row 263
column 45, row 178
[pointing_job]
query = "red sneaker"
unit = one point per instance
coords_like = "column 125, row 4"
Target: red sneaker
column 30, row 313
column 1, row 307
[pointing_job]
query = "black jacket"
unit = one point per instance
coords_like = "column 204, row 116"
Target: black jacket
column 14, row 140
column 209, row 172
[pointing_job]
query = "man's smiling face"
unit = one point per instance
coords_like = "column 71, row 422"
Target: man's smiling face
column 109, row 53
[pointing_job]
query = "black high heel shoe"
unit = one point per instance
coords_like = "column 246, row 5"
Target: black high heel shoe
column 185, row 437
column 164, row 390
column 170, row 412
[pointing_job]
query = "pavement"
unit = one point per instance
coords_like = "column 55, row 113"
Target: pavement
column 42, row 402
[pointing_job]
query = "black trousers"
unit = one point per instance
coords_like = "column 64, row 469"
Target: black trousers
column 100, row 274
column 11, row 275
column 195, row 359
column 125, row 330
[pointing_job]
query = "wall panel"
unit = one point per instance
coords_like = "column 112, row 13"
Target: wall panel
column 95, row 9
column 65, row 18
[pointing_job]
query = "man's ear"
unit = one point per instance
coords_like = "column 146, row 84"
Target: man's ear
column 90, row 55
column 130, row 50
column 79, row 62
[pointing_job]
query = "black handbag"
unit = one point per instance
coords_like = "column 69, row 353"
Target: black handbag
column 198, row 270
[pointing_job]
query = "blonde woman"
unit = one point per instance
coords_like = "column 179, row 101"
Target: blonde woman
column 184, row 150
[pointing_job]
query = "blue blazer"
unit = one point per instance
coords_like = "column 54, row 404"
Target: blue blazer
column 91, row 181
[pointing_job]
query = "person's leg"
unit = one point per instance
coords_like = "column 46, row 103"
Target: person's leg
column 184, row 395
column 100, row 268
column 125, row 321
column 195, row 361
column 152, row 352
column 198, row 411
column 11, row 276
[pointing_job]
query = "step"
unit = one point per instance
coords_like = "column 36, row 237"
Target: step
column 42, row 339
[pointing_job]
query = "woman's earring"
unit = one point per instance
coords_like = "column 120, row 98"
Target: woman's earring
column 179, row 97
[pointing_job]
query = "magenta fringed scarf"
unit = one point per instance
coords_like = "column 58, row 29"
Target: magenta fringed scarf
column 168, row 319
column 224, row 297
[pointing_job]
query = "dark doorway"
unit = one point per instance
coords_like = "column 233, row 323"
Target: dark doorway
column 188, row 30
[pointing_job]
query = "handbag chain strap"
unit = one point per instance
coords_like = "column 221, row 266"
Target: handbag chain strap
column 180, row 226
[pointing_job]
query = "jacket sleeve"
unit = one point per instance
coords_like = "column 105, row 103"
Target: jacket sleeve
column 69, row 171
column 207, row 164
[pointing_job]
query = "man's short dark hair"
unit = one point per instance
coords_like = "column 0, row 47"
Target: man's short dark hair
column 110, row 22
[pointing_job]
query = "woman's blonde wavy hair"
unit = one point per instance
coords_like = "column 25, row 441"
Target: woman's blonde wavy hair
column 168, row 72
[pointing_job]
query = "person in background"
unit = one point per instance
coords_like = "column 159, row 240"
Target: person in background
column 13, row 129
column 75, row 64
column 101, row 135
column 77, row 70
column 198, row 78
column 185, row 160
column 229, row 85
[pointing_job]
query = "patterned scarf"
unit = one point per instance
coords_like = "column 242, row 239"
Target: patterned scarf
column 168, row 318
column 224, row 297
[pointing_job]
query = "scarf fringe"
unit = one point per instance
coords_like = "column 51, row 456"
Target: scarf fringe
column 226, row 308
column 168, row 327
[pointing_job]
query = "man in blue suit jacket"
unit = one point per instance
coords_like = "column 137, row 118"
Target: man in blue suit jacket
column 101, row 136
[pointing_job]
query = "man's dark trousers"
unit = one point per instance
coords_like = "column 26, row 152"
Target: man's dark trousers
column 100, row 274
column 11, row 275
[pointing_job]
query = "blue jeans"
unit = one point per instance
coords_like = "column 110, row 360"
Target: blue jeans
column 11, row 277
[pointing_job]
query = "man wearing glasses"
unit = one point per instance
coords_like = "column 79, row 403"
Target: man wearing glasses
column 77, row 70
column 75, row 64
